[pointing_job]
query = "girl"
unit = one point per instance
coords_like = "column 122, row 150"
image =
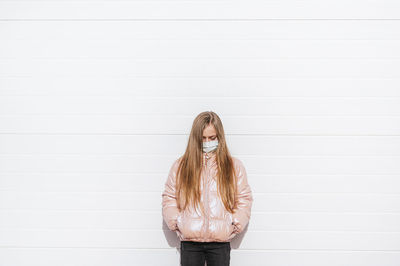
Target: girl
column 206, row 173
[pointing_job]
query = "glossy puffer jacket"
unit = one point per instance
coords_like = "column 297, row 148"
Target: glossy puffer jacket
column 217, row 224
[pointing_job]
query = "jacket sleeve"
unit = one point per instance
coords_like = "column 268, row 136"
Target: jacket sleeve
column 170, row 210
column 242, row 214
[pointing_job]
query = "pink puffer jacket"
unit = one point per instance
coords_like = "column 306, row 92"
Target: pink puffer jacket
column 217, row 224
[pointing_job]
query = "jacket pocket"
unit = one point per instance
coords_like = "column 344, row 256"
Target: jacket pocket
column 223, row 228
column 189, row 227
column 232, row 227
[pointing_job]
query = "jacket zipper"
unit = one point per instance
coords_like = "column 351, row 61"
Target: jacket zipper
column 206, row 197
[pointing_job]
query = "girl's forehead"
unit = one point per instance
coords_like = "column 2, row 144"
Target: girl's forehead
column 210, row 130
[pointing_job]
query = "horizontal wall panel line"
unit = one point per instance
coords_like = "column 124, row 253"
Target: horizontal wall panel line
column 205, row 19
column 211, row 97
column 202, row 77
column 177, row 134
column 87, row 155
column 241, row 250
column 264, row 250
column 50, row 59
column 167, row 230
column 169, row 157
column 159, row 211
column 52, row 210
column 40, row 59
column 28, row 115
column 32, row 191
column 164, row 173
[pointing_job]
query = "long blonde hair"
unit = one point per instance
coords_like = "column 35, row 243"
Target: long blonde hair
column 190, row 166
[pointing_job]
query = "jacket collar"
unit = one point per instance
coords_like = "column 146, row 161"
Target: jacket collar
column 209, row 157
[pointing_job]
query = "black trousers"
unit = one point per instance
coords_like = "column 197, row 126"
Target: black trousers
column 197, row 253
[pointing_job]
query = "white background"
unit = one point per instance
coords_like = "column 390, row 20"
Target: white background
column 97, row 100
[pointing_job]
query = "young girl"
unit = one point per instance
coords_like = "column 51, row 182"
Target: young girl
column 209, row 175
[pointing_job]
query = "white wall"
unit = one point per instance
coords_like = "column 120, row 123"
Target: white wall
column 97, row 100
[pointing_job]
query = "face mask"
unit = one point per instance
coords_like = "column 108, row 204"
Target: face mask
column 210, row 145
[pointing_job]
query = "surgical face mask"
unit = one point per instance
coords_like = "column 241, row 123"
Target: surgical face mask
column 210, row 145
